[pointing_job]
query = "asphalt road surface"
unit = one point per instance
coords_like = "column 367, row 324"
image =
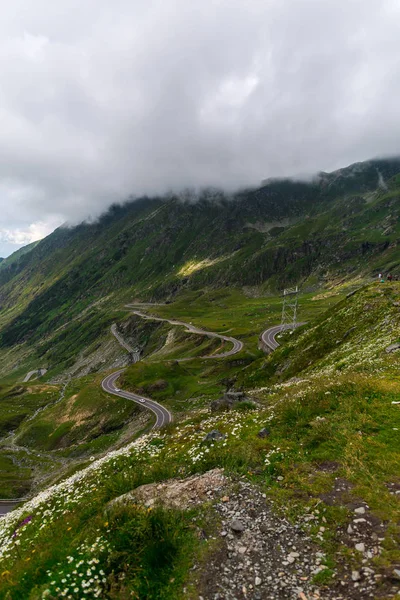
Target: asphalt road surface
column 237, row 345
column 163, row 415
column 7, row 505
column 268, row 336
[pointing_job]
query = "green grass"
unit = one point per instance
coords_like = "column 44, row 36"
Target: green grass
column 85, row 414
column 231, row 312
column 150, row 553
column 327, row 415
column 182, row 386
column 20, row 401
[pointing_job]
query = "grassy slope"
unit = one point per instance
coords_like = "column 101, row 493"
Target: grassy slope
column 154, row 248
column 327, row 415
column 15, row 256
column 80, row 421
column 59, row 300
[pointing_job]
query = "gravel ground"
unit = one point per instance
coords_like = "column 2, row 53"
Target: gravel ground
column 262, row 556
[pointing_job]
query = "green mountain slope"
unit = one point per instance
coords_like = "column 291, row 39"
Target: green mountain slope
column 339, row 225
column 15, row 256
column 326, row 465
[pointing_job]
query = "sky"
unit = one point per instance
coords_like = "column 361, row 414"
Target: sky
column 100, row 100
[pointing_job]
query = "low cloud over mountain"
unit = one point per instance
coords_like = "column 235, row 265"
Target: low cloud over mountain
column 100, row 100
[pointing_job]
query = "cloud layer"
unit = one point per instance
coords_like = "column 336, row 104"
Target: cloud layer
column 103, row 99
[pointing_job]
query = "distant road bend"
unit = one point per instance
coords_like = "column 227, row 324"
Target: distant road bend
column 237, row 345
column 267, row 337
column 7, row 505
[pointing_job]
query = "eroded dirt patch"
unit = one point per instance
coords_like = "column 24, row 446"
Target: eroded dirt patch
column 179, row 493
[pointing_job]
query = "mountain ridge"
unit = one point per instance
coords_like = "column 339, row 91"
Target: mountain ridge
column 284, row 233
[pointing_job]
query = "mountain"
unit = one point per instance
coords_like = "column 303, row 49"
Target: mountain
column 336, row 226
column 275, row 470
column 15, row 256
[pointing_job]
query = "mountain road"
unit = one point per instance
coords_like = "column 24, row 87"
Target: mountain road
column 267, row 337
column 163, row 416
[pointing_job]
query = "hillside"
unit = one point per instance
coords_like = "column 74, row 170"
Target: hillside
column 15, row 256
column 307, row 501
column 339, row 226
column 299, row 446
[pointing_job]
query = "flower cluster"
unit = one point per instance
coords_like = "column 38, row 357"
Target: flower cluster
column 81, row 576
column 57, row 500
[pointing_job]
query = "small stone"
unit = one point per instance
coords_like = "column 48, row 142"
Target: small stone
column 392, row 348
column 349, row 530
column 355, row 575
column 396, row 574
column 258, row 581
column 224, row 533
column 280, row 478
column 360, row 547
column 242, row 550
column 361, row 520
column 290, row 559
column 264, row 432
column 225, row 499
column 360, row 510
column 237, row 526
column 294, row 554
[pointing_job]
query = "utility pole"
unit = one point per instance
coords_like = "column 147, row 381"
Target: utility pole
column 289, row 308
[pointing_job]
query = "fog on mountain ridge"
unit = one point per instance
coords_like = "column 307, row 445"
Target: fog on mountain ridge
column 101, row 101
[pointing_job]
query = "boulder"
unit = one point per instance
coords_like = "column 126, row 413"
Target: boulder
column 214, row 436
column 237, row 526
column 177, row 493
column 228, row 400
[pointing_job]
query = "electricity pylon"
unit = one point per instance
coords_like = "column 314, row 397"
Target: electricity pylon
column 289, row 308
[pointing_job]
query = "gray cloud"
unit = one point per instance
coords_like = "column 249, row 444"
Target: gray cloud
column 100, row 100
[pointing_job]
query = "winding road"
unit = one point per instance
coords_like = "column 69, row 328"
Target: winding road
column 237, row 345
column 267, row 337
column 163, row 416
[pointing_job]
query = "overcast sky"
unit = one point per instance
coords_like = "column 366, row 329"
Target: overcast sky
column 102, row 99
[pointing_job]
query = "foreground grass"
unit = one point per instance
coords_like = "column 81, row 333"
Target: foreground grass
column 348, row 421
column 326, row 423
